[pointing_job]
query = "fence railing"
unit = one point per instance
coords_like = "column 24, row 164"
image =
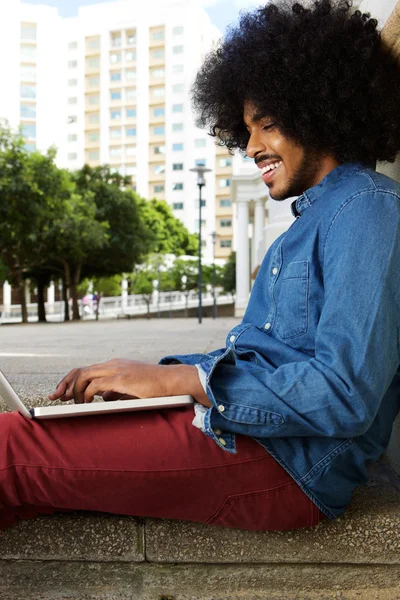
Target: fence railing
column 117, row 306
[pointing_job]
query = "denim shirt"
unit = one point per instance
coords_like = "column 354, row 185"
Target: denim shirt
column 312, row 371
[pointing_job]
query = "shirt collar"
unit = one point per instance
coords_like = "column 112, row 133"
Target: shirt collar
column 309, row 196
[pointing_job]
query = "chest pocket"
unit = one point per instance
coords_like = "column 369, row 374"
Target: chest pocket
column 292, row 302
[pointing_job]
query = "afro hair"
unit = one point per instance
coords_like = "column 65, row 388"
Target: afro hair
column 320, row 71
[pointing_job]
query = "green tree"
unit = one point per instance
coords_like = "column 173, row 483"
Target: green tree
column 228, row 279
column 142, row 283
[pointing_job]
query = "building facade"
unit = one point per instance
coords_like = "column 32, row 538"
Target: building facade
column 112, row 86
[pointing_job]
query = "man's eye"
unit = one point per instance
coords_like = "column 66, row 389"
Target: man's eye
column 266, row 127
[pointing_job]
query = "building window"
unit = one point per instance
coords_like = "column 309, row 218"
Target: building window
column 72, row 156
column 225, row 222
column 94, row 155
column 158, row 36
column 177, row 205
column 130, row 150
column 178, row 88
column 116, row 41
column 116, row 76
column 116, row 95
column 130, row 113
column 157, row 54
column 177, row 108
column 93, row 99
column 93, row 136
column 72, row 137
column 93, row 62
column 177, row 69
column 157, row 73
column 28, row 91
column 116, row 133
column 72, row 82
column 158, row 92
column 130, row 74
column 28, row 72
column 72, row 119
column 115, row 58
column 130, row 94
column 29, row 130
column 177, row 127
column 131, row 39
column 130, row 131
column 130, row 55
column 225, row 202
column 159, row 149
column 177, row 147
column 203, row 204
column 94, row 118
column 73, row 100
column 130, row 170
column 200, row 143
column 178, row 30
column 200, row 162
column 159, row 111
column 224, row 183
column 28, row 31
column 115, row 115
column 177, row 49
column 225, row 162
column 116, row 152
column 159, row 169
column 225, row 243
column 30, row 147
column 196, row 224
column 177, row 186
column 177, row 167
column 28, row 51
column 93, row 82
column 93, row 43
column 158, row 189
column 72, row 64
column 72, row 45
column 28, row 111
column 159, row 130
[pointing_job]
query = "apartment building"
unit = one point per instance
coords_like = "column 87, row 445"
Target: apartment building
column 112, row 85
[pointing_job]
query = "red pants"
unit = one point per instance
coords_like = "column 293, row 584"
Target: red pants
column 150, row 464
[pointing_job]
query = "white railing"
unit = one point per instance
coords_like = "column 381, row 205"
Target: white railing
column 117, row 306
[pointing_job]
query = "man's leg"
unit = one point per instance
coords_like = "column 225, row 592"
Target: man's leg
column 147, row 463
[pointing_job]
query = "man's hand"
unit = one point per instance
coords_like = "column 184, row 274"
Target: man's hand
column 123, row 378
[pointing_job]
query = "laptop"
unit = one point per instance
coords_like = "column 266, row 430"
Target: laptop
column 13, row 402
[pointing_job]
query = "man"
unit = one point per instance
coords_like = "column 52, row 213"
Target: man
column 305, row 393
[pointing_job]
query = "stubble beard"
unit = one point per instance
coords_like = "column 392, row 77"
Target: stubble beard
column 304, row 177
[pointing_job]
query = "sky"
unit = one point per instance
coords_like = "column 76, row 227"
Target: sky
column 221, row 12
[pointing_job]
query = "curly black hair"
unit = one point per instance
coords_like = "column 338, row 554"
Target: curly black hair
column 320, row 72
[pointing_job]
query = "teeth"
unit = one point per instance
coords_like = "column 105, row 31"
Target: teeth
column 271, row 167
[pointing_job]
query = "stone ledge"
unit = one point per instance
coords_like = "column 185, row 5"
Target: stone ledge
column 121, row 581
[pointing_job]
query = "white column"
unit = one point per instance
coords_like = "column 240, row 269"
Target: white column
column 124, row 286
column 258, row 231
column 51, row 293
column 242, row 258
column 279, row 220
column 27, row 291
column 6, row 296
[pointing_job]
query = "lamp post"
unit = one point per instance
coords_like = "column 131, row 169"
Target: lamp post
column 200, row 182
column 214, row 239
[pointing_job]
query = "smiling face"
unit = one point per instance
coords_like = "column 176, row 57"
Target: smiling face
column 286, row 168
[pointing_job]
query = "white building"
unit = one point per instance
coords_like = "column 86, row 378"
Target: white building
column 113, row 86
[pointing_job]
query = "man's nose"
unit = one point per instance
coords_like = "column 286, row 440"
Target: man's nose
column 255, row 145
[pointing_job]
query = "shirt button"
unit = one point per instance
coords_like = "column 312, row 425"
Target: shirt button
column 232, row 338
column 217, row 432
column 274, row 271
column 221, row 408
column 222, row 441
column 267, row 326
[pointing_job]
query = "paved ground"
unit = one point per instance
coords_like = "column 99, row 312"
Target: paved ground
column 35, row 356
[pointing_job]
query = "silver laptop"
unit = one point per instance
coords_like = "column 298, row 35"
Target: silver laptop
column 94, row 408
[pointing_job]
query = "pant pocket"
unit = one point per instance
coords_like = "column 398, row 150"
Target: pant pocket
column 279, row 509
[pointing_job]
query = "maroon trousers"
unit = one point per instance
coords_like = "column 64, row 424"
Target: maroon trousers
column 149, row 464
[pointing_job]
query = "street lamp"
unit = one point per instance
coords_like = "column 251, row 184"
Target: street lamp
column 200, row 170
column 214, row 239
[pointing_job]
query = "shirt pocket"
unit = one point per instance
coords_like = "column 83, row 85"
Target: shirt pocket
column 292, row 302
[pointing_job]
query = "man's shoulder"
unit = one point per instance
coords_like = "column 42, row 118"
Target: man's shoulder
column 368, row 181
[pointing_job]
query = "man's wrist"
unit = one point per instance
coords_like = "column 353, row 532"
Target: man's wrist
column 184, row 379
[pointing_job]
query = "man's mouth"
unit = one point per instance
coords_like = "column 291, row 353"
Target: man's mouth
column 268, row 171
